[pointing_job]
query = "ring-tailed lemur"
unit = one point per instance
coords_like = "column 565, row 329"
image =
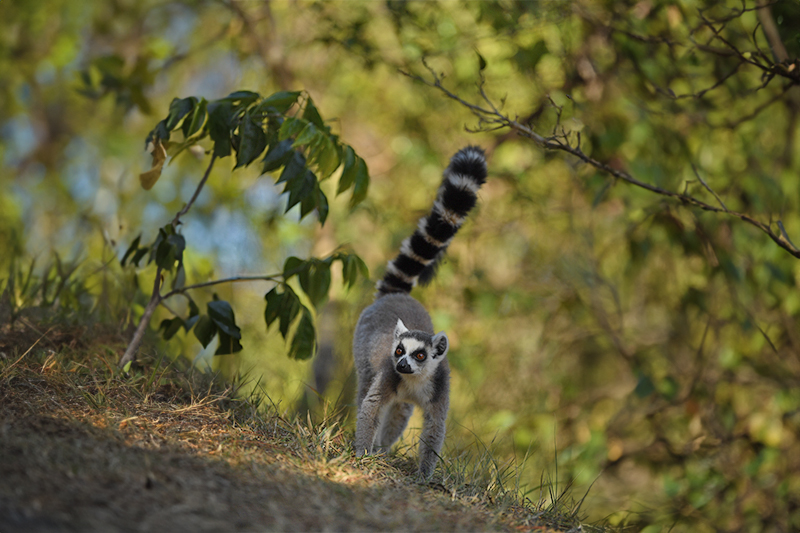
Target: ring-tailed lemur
column 399, row 360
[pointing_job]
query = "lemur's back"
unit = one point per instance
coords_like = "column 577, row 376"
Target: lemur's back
column 375, row 329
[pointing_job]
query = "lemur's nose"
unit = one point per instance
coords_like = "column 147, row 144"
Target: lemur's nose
column 403, row 367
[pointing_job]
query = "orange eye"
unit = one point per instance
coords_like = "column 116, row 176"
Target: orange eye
column 399, row 351
column 419, row 356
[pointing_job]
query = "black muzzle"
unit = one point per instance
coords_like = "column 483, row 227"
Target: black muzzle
column 404, row 368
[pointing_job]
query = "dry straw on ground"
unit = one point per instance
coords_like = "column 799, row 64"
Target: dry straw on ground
column 86, row 448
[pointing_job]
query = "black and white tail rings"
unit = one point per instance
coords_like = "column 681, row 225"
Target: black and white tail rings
column 456, row 197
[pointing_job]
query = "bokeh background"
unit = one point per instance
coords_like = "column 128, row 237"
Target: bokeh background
column 642, row 351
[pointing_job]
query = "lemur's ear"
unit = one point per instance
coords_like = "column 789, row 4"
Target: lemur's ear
column 399, row 329
column 440, row 344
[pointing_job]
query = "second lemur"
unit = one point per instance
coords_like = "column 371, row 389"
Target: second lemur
column 399, row 360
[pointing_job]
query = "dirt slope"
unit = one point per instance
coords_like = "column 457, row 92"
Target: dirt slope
column 85, row 449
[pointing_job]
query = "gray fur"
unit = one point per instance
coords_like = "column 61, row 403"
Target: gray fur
column 386, row 398
column 399, row 360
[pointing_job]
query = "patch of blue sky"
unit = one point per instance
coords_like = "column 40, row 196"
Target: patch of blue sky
column 19, row 136
column 154, row 216
column 195, row 231
column 81, row 173
column 180, row 25
column 219, row 79
column 238, row 245
column 263, row 196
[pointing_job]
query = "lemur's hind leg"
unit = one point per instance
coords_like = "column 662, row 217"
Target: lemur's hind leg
column 394, row 424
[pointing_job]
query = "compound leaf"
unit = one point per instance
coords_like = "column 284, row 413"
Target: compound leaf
column 304, row 339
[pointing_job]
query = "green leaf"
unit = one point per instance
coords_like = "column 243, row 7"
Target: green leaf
column 294, row 169
column 196, row 119
column 178, row 242
column 141, row 252
column 131, row 249
column 283, row 306
column 161, row 237
column 228, row 344
column 352, row 265
column 300, row 188
column 169, row 250
column 326, row 157
column 243, row 97
column 194, row 316
column 273, row 310
column 306, row 136
column 311, row 114
column 362, row 266
column 170, row 327
column 179, row 108
column 190, row 322
column 293, row 266
column 193, row 309
column 304, row 340
column 481, row 61
column 279, row 102
column 277, row 156
column 316, row 280
column 179, row 280
column 322, row 205
column 205, row 330
column 220, row 114
column 349, row 171
column 291, row 127
column 159, row 132
column 221, row 313
column 290, row 307
column 315, row 199
column 361, row 183
column 253, row 141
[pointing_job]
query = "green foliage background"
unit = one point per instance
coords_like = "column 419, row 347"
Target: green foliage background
column 648, row 349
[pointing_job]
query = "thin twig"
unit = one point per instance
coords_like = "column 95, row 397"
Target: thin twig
column 136, row 341
column 696, row 173
column 495, row 118
column 155, row 296
column 273, row 277
column 177, row 219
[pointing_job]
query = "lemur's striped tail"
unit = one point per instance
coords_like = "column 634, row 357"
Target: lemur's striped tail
column 421, row 252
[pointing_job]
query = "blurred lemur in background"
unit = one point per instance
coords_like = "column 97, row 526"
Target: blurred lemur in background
column 399, row 360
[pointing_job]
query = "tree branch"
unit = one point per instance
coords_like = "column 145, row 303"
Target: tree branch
column 156, row 297
column 177, row 219
column 771, row 31
column 491, row 118
column 234, row 279
column 138, row 336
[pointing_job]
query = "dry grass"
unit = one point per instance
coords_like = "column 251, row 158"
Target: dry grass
column 86, row 448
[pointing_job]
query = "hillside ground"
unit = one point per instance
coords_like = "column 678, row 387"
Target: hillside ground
column 85, row 447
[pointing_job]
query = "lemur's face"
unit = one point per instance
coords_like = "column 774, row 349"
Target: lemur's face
column 417, row 352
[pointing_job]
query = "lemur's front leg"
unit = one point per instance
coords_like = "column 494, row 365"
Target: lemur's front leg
column 368, row 418
column 432, row 438
column 394, row 424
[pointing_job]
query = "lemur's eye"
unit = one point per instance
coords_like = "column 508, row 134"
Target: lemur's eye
column 399, row 351
column 420, row 356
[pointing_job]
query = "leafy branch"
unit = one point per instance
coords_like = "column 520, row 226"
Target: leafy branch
column 287, row 128
column 490, row 118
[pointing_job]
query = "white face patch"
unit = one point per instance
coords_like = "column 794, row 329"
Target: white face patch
column 412, row 354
